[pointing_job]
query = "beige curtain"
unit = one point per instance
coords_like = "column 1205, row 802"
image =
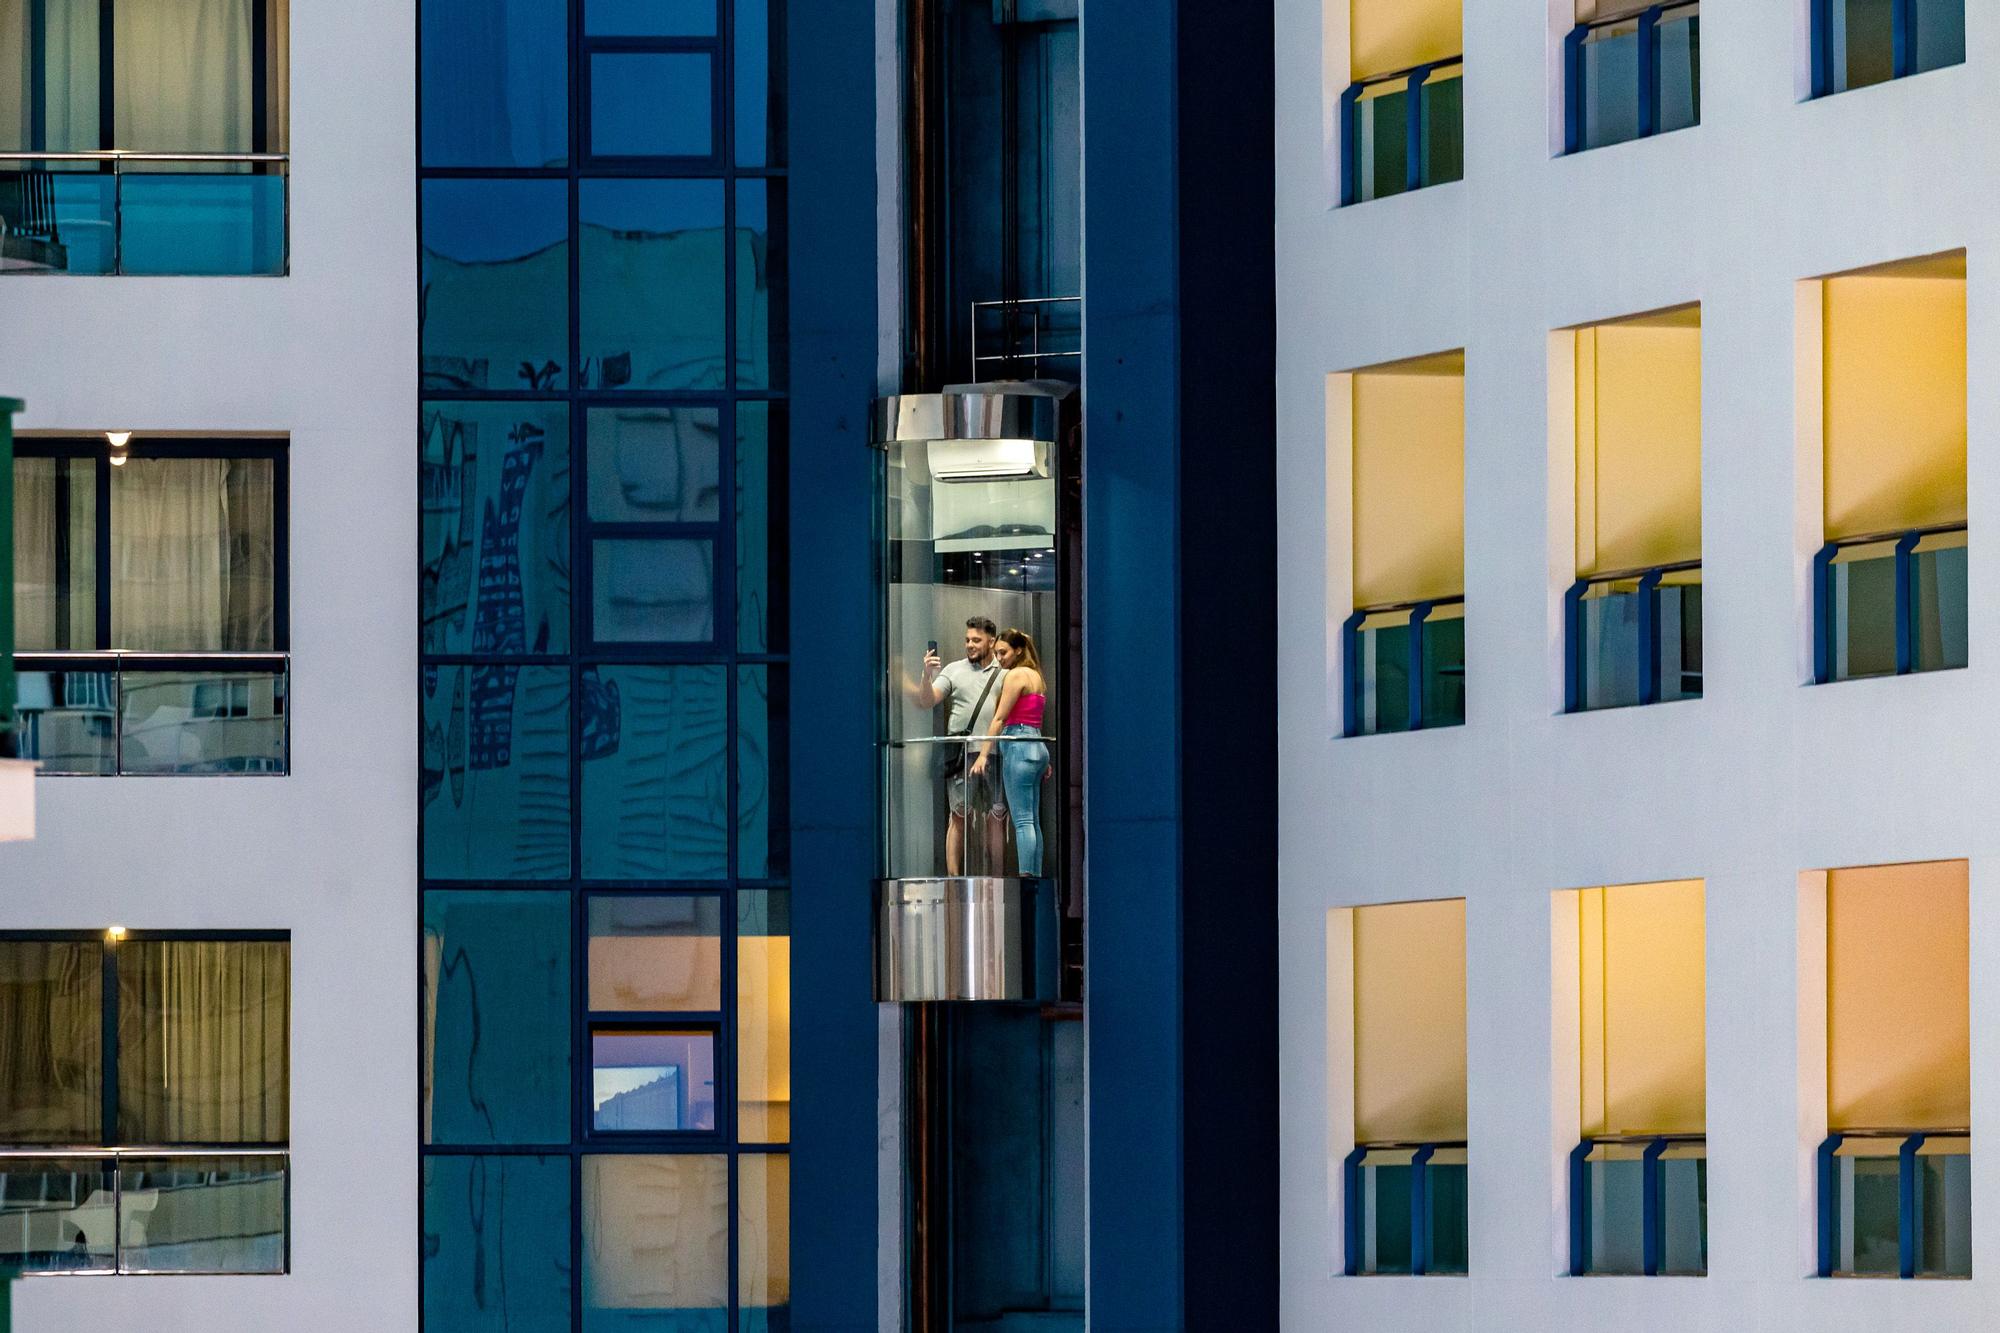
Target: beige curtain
column 192, row 555
column 69, row 45
column 51, row 1061
column 182, row 75
column 39, row 607
column 203, row 1041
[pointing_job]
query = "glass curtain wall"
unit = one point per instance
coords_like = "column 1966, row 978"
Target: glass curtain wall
column 605, row 909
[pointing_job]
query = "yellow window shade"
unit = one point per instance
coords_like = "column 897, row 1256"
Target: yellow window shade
column 1895, row 398
column 1638, row 443
column 1390, row 35
column 1644, row 1019
column 1409, row 481
column 1409, row 1022
column 1898, row 1013
column 1592, row 11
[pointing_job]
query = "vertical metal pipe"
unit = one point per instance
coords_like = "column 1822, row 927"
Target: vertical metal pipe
column 923, row 187
column 925, row 1169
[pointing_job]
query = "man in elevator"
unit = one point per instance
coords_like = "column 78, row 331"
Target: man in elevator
column 971, row 686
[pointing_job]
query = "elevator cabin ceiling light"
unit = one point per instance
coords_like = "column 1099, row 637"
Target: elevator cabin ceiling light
column 988, row 460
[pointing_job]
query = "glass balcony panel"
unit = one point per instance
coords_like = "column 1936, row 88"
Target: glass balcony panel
column 207, row 223
column 1442, row 159
column 1615, row 1176
column 655, row 955
column 1449, row 1220
column 1861, row 42
column 1941, row 601
column 1444, row 667
column 58, row 1215
column 1611, row 613
column 651, row 281
column 1679, row 38
column 1867, row 1208
column 1944, row 1207
column 1381, row 144
column 1684, row 1209
column 1680, row 638
column 652, row 104
column 55, row 553
column 1385, row 674
column 1385, row 1212
column 68, row 720
column 1940, row 33
column 61, row 218
column 496, row 1244
column 202, row 1214
column 1864, row 611
column 202, row 722
column 652, row 1080
column 1610, row 84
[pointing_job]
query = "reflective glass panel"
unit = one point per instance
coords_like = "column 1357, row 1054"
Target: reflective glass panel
column 1444, row 667
column 206, row 223
column 1679, row 36
column 1610, row 624
column 51, row 1031
column 652, row 284
column 202, row 1214
column 1864, row 611
column 1680, row 638
column 652, row 104
column 1381, row 144
column 1944, row 1207
column 760, row 284
column 763, row 1242
column 655, row 464
column 1449, row 1224
column 193, row 555
column 495, row 83
column 495, row 486
column 649, row 18
column 655, row 955
column 202, row 722
column 496, row 1244
column 1868, row 1209
column 204, row 1041
column 1614, row 1174
column 1443, row 155
column 761, row 487
column 655, row 1243
column 1383, row 691
column 1939, row 570
column 1861, row 42
column 655, row 772
column 58, row 1215
column 1386, row 1211
column 495, row 774
column 1610, row 74
column 760, row 795
column 759, row 46
column 652, row 590
column 1940, row 33
column 496, row 1017
column 763, row 1016
column 67, row 720
column 1684, row 1209
column 55, row 553
column 495, row 300
column 652, row 1080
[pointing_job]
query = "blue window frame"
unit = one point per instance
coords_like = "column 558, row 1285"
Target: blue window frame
column 1633, row 638
column 1895, row 1203
column 1890, row 604
column 1404, row 667
column 1633, row 76
column 1861, row 42
column 1402, row 132
column 1405, row 1209
column 1639, row 1206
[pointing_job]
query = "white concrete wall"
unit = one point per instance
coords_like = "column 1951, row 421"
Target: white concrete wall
column 327, row 356
column 1763, row 778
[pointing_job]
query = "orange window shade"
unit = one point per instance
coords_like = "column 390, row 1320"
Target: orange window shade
column 764, row 1038
column 1409, row 481
column 1895, row 392
column 1390, row 35
column 1638, row 443
column 1409, row 1022
column 1644, row 1019
column 1898, row 1012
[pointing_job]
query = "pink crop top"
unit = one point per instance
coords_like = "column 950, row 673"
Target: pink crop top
column 1028, row 710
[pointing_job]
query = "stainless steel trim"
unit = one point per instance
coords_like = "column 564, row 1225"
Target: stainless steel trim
column 964, row 414
column 961, row 740
column 953, row 939
column 134, row 155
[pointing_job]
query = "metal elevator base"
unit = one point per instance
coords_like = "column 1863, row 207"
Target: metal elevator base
column 965, row 938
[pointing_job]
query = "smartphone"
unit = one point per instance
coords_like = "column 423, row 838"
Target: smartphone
column 932, row 649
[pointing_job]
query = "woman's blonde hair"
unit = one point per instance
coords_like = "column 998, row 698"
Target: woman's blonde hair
column 1023, row 644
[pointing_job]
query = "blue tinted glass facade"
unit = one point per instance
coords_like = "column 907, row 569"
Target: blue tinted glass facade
column 603, row 683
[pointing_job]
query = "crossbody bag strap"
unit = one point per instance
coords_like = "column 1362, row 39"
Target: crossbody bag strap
column 980, row 703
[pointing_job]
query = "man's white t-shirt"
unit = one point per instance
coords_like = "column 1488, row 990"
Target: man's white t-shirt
column 960, row 683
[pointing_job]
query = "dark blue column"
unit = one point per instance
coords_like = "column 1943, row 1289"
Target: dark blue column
column 1180, row 628
column 831, row 86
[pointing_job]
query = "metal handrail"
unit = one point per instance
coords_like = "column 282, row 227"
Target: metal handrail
column 893, row 742
column 118, row 155
column 148, row 1154
column 1034, row 329
column 117, row 655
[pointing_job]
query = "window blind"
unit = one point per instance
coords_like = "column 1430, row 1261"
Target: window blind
column 1409, row 1022
column 1390, row 35
column 1644, row 1014
column 1638, row 443
column 1409, row 481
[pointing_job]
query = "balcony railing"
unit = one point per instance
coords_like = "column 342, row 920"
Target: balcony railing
column 148, row 714
column 1890, row 604
column 1633, row 76
column 1405, row 667
column 1638, row 1205
column 1895, row 1203
column 1633, row 637
column 112, row 211
column 1402, row 131
column 1405, row 1209
column 144, row 1210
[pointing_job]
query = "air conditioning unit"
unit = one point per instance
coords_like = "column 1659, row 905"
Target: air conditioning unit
column 987, row 460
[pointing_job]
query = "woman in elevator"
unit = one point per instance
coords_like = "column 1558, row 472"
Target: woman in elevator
column 1023, row 764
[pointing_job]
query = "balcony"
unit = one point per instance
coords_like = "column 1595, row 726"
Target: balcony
column 1403, row 131
column 158, row 214
column 124, row 714
column 1633, row 75
column 1634, row 638
column 1406, row 1209
column 1639, row 1206
column 17, row 780
column 1890, row 604
column 138, row 1211
column 1405, row 667
column 1895, row 1204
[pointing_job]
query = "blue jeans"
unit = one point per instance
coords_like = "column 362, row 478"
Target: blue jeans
column 1021, row 765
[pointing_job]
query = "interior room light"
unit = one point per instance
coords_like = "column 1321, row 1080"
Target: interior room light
column 114, row 933
column 119, row 439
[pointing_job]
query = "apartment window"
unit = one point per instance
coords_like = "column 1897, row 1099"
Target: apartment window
column 1403, row 645
column 1633, row 616
column 1895, row 1169
column 1638, row 1175
column 1404, row 1182
column 1634, row 71
column 1891, row 592
column 1860, row 42
column 145, row 1107
column 1403, row 114
column 150, row 606
column 144, row 138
